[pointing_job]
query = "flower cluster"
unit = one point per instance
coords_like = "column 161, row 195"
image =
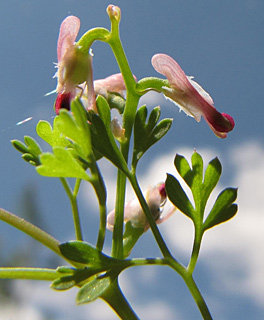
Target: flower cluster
column 75, row 77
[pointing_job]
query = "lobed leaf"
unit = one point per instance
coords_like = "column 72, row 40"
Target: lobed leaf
column 147, row 133
column 52, row 136
column 223, row 209
column 61, row 164
column 75, row 127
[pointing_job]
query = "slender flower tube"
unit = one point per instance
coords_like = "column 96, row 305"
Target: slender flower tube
column 190, row 96
column 74, row 65
column 156, row 198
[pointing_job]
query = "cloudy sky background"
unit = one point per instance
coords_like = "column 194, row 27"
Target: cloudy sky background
column 221, row 45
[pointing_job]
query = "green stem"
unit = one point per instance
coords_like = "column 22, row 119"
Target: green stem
column 99, row 187
column 151, row 83
column 117, row 246
column 29, row 273
column 31, row 230
column 197, row 296
column 73, row 199
column 115, row 298
column 128, row 121
column 188, row 279
column 196, row 248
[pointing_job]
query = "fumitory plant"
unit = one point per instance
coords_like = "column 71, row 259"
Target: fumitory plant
column 83, row 132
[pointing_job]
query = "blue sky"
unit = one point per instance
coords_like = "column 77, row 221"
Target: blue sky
column 220, row 43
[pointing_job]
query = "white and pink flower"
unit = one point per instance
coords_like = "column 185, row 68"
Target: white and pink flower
column 190, row 96
column 155, row 197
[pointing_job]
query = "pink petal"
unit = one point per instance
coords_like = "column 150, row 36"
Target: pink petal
column 68, row 32
column 167, row 66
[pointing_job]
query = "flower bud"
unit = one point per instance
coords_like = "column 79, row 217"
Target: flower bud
column 114, row 12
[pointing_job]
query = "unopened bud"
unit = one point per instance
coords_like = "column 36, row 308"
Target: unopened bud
column 114, row 12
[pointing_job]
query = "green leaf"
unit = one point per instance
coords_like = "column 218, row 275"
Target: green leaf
column 85, row 253
column 61, row 164
column 102, row 137
column 178, row 197
column 212, row 176
column 75, row 127
column 147, row 133
column 68, row 281
column 116, row 101
column 183, row 167
column 31, row 150
column 223, row 209
column 197, row 183
column 94, row 289
column 201, row 185
column 130, row 237
column 52, row 136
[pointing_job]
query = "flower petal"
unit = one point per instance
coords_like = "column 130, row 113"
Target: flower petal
column 68, row 32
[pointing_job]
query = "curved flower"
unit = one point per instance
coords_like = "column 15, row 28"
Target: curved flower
column 156, row 197
column 190, row 97
column 74, row 65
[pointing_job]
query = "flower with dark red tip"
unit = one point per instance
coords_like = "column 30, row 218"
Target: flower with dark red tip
column 190, row 96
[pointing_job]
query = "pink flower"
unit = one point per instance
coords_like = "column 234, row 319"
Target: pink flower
column 74, row 65
column 156, row 197
column 190, row 97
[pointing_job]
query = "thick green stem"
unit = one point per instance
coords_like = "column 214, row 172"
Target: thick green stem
column 115, row 298
column 29, row 273
column 75, row 212
column 31, row 230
